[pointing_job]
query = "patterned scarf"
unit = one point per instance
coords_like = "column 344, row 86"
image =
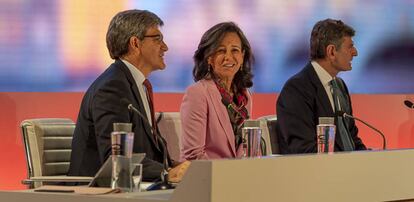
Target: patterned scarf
column 236, row 108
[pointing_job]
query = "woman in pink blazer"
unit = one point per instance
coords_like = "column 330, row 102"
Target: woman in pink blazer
column 215, row 107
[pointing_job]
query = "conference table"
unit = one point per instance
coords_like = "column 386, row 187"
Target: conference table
column 348, row 176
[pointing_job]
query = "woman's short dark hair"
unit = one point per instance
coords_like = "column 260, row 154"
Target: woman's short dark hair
column 326, row 32
column 210, row 41
column 126, row 24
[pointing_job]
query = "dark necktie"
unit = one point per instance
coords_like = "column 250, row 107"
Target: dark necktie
column 344, row 133
column 150, row 98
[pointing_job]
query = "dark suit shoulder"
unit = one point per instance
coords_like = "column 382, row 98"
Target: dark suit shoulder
column 112, row 75
column 299, row 84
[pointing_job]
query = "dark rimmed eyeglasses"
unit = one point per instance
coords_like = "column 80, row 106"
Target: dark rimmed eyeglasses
column 157, row 37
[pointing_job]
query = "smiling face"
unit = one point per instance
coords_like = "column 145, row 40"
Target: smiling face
column 344, row 55
column 152, row 49
column 228, row 57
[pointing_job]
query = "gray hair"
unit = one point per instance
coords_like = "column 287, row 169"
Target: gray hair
column 326, row 32
column 126, row 24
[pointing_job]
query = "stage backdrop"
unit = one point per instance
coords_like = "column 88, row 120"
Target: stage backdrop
column 60, row 45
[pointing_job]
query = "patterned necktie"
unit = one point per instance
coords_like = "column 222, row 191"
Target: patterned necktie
column 150, row 98
column 342, row 124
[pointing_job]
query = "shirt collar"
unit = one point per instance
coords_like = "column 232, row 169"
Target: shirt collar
column 323, row 75
column 136, row 73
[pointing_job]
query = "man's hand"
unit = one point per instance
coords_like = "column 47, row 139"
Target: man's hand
column 176, row 174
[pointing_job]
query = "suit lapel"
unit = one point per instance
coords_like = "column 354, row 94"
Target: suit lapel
column 138, row 100
column 323, row 99
column 221, row 112
column 321, row 95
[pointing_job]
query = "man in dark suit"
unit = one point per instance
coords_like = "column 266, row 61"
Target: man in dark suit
column 135, row 42
column 309, row 95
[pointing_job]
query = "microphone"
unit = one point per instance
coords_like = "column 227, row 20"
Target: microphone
column 344, row 114
column 163, row 184
column 409, row 104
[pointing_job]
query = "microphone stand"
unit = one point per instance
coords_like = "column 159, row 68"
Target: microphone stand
column 384, row 143
column 163, row 184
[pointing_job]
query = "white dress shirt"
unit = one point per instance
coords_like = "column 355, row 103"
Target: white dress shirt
column 139, row 80
column 325, row 79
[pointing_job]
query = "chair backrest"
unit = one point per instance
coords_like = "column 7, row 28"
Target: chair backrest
column 47, row 143
column 269, row 125
column 169, row 125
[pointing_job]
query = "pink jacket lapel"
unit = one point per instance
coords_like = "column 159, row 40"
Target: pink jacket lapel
column 221, row 112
